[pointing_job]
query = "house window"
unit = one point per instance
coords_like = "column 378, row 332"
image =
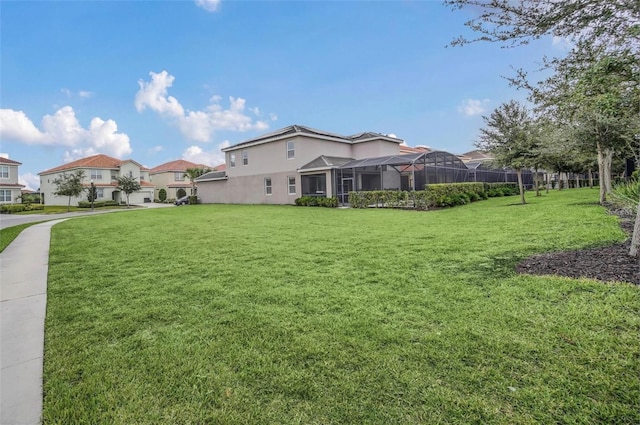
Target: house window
column 114, row 175
column 4, row 172
column 130, row 174
column 179, row 177
column 267, row 186
column 232, row 160
column 99, row 192
column 291, row 180
column 245, row 157
column 291, row 150
column 96, row 174
column 5, row 195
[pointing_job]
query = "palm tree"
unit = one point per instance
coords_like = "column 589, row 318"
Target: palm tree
column 193, row 174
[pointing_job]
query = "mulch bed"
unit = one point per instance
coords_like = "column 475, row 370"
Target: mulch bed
column 610, row 263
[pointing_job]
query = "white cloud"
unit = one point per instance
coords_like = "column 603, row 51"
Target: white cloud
column 208, row 5
column 85, row 94
column 66, row 91
column 213, row 157
column 30, row 180
column 273, row 117
column 471, row 107
column 195, row 125
column 562, row 43
column 63, row 129
column 155, row 149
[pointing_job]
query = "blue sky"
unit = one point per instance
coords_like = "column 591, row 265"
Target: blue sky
column 156, row 81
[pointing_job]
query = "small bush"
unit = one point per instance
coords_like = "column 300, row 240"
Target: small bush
column 97, row 204
column 16, row 208
column 193, row 200
column 162, row 195
column 316, row 201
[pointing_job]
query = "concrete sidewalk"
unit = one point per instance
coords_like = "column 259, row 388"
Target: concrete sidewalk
column 24, row 265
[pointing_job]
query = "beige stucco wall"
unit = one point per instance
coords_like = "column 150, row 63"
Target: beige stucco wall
column 13, row 175
column 250, row 190
column 13, row 179
column 272, row 157
column 375, row 148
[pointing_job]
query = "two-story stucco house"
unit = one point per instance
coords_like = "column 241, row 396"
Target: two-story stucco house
column 279, row 167
column 10, row 189
column 170, row 177
column 102, row 170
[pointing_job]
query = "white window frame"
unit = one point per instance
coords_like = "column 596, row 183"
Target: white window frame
column 99, row 192
column 291, row 149
column 4, row 171
column 96, row 174
column 245, row 157
column 268, row 186
column 179, row 177
column 291, row 187
column 5, row 195
column 232, row 160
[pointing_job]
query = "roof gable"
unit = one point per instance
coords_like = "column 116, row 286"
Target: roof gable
column 8, row 161
column 178, row 166
column 95, row 161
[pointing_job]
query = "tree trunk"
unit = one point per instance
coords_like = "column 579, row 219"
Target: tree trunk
column 635, row 239
column 590, row 179
column 520, row 186
column 535, row 181
column 577, row 181
column 608, row 158
column 603, row 193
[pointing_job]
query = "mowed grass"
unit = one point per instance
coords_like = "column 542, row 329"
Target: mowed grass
column 227, row 314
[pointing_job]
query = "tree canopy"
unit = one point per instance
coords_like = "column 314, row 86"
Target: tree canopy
column 69, row 185
column 128, row 185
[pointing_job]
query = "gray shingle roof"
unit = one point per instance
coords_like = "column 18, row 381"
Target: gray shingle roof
column 212, row 175
column 325, row 162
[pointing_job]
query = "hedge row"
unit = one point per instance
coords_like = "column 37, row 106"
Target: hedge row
column 434, row 195
column 97, row 204
column 317, row 201
column 14, row 208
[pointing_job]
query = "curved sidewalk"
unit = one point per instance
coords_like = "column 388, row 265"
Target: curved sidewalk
column 24, row 266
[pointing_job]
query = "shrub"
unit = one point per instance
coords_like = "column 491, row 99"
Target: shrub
column 15, row 208
column 193, row 199
column 180, row 193
column 316, row 201
column 97, row 204
column 627, row 193
column 162, row 195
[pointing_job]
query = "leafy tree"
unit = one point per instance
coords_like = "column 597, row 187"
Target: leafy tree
column 607, row 27
column 162, row 195
column 128, row 185
column 605, row 24
column 69, row 185
column 92, row 193
column 507, row 136
column 192, row 174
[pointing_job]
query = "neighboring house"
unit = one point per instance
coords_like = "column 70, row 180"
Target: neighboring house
column 295, row 161
column 10, row 189
column 170, row 177
column 476, row 156
column 102, row 170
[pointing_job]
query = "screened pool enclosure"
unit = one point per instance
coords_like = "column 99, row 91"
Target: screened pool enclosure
column 339, row 176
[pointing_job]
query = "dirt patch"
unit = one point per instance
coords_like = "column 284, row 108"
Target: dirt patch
column 610, row 263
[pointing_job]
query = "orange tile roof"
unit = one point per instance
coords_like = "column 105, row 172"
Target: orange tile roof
column 95, row 161
column 4, row 160
column 221, row 167
column 179, row 165
column 409, row 149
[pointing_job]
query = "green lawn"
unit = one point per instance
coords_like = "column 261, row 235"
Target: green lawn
column 226, row 314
